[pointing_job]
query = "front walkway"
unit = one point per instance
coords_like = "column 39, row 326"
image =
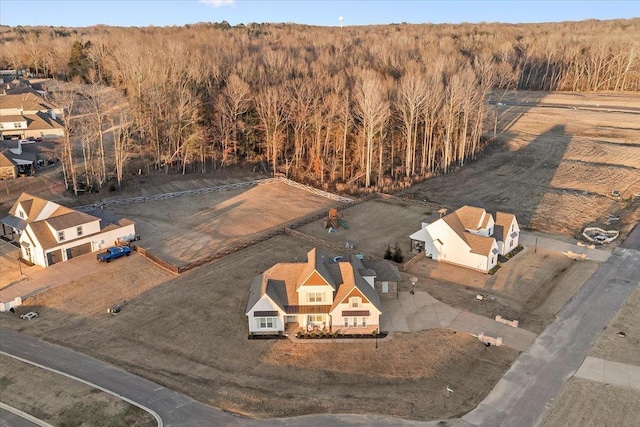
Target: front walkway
column 421, row 311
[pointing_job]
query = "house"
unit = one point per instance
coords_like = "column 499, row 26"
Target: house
column 8, row 169
column 49, row 233
column 320, row 293
column 24, row 155
column 469, row 237
column 27, row 115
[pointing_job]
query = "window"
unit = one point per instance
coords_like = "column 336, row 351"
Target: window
column 21, row 214
column 493, row 259
column 60, row 236
column 1, row 126
column 512, row 226
column 354, row 302
column 346, row 322
column 355, row 322
column 266, row 322
column 511, row 244
column 17, row 125
column 79, row 230
column 364, row 322
column 315, row 296
column 316, row 318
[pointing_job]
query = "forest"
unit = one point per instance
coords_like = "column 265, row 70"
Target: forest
column 354, row 109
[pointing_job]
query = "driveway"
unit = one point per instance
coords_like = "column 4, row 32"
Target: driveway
column 411, row 313
column 554, row 243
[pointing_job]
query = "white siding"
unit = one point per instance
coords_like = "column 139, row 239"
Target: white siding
column 326, row 291
column 265, row 304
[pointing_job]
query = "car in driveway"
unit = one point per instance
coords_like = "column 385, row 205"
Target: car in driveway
column 30, row 315
column 114, row 253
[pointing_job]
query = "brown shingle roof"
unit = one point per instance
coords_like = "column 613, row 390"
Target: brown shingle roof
column 469, row 217
column 70, row 219
column 11, row 118
column 5, row 162
column 504, row 220
column 28, row 102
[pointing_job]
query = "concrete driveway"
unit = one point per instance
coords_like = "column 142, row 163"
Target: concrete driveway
column 421, row 311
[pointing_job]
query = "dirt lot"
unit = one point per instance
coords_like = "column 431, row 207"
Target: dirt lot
column 556, row 167
column 376, row 224
column 610, row 346
column 189, row 228
column 9, row 268
column 587, row 403
column 60, row 401
column 189, row 334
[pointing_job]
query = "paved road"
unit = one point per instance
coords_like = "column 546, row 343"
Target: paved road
column 174, row 408
column 9, row 419
column 592, row 107
column 526, row 392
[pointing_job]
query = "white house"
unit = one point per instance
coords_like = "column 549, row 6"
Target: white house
column 319, row 293
column 469, row 237
column 50, row 233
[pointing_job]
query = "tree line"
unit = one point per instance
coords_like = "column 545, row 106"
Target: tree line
column 370, row 107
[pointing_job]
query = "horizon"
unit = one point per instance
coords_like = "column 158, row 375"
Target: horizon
column 66, row 13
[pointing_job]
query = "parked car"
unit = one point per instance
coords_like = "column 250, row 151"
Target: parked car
column 114, row 253
column 30, row 315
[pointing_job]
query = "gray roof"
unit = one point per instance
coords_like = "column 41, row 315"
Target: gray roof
column 254, row 293
column 385, row 271
column 15, row 222
column 362, row 285
column 277, row 291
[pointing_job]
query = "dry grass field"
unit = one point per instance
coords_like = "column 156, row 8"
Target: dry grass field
column 587, row 403
column 557, row 167
column 190, row 334
column 376, row 224
column 61, row 401
column 186, row 229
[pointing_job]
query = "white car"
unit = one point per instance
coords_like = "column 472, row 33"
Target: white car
column 30, row 315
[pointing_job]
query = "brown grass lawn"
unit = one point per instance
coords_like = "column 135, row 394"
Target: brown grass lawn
column 589, row 403
column 59, row 400
column 189, row 228
column 190, row 335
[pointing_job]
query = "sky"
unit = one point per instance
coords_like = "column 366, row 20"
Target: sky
column 82, row 13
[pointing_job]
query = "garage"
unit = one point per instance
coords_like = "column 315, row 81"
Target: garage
column 79, row 250
column 54, row 257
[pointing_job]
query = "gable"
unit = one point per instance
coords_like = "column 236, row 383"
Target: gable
column 315, row 279
column 355, row 293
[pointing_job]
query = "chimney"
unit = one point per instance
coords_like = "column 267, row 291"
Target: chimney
column 53, row 114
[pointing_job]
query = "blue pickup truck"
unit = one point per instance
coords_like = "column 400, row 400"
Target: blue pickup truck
column 113, row 253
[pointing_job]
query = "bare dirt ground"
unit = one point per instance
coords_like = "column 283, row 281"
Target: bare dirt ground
column 9, row 269
column 190, row 334
column 376, row 224
column 587, row 403
column 610, row 346
column 189, row 228
column 557, row 167
column 531, row 287
column 59, row 400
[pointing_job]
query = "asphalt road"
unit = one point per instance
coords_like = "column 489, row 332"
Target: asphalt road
column 592, row 107
column 9, row 419
column 526, row 392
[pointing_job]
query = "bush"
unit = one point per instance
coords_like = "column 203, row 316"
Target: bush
column 387, row 253
column 397, row 255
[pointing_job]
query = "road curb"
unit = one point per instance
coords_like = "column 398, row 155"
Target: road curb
column 24, row 415
column 144, row 408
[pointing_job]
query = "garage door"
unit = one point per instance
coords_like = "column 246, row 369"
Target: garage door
column 54, row 257
column 79, row 250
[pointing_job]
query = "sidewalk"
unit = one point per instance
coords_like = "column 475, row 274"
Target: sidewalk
column 608, row 372
column 421, row 311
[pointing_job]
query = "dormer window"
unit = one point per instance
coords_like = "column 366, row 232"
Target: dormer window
column 79, row 230
column 355, row 302
column 60, row 236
